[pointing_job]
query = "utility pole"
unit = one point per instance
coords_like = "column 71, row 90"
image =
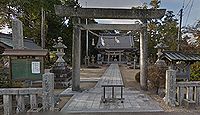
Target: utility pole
column 179, row 31
column 42, row 28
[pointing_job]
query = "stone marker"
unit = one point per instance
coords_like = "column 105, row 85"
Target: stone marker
column 48, row 88
column 17, row 34
column 170, row 97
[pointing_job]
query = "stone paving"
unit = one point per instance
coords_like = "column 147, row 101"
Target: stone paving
column 90, row 100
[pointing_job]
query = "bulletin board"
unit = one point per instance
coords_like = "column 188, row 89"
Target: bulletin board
column 26, row 69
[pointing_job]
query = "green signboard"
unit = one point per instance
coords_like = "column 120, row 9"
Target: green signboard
column 26, row 69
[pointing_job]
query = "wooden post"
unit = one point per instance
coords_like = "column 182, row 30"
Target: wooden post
column 76, row 55
column 42, row 28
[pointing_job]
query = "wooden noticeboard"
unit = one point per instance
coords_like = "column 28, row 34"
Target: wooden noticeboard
column 26, row 69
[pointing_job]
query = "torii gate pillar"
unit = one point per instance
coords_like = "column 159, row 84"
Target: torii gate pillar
column 143, row 56
column 76, row 54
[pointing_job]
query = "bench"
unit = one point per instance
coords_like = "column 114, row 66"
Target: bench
column 112, row 82
column 113, row 98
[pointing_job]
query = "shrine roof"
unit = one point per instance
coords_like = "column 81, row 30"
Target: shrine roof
column 115, row 42
column 6, row 39
column 180, row 56
column 25, row 52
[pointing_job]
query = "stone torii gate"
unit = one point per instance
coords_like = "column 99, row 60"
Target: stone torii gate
column 107, row 13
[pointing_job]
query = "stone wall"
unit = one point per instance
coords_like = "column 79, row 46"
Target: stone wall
column 46, row 92
column 181, row 93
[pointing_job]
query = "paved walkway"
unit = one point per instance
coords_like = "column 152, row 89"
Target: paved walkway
column 90, row 101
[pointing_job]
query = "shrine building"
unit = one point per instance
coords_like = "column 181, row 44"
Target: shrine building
column 115, row 48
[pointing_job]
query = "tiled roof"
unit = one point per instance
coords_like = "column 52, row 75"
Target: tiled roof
column 28, row 44
column 25, row 52
column 115, row 42
column 180, row 56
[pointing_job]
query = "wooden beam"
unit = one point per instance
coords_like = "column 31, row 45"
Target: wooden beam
column 108, row 13
column 110, row 26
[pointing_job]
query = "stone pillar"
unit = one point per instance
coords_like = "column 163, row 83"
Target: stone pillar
column 120, row 57
column 108, row 58
column 189, row 94
column 20, row 103
column 7, row 104
column 87, row 41
column 127, row 59
column 143, row 57
column 92, row 59
column 198, row 95
column 85, row 61
column 134, row 62
column 17, row 34
column 180, row 96
column 33, row 101
column 102, row 59
column 48, row 88
column 170, row 96
column 76, row 55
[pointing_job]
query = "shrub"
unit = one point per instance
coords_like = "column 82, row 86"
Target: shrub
column 156, row 77
column 195, row 72
column 137, row 77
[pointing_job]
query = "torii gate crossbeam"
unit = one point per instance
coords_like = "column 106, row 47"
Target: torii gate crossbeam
column 110, row 27
column 107, row 13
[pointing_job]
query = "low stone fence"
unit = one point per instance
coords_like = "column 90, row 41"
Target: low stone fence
column 46, row 92
column 188, row 92
column 181, row 93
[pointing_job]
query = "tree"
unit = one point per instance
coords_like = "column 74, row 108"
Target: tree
column 155, row 4
column 169, row 30
column 161, row 28
column 191, row 38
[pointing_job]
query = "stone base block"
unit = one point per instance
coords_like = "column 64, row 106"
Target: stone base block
column 189, row 104
column 35, row 110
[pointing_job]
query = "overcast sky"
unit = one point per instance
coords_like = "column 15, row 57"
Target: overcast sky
column 174, row 5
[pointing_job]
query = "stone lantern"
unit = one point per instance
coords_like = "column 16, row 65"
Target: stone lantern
column 60, row 51
column 160, row 46
column 60, row 68
column 134, row 62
